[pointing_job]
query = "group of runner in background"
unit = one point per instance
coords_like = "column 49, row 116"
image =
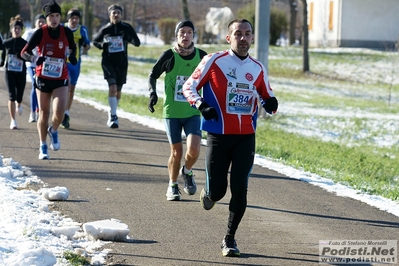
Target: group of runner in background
column 224, row 88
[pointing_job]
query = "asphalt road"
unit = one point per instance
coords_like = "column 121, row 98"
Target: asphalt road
column 122, row 174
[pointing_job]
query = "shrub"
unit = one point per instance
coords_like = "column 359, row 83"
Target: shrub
column 278, row 24
column 167, row 29
column 278, row 20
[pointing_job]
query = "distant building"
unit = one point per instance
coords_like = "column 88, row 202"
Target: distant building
column 353, row 23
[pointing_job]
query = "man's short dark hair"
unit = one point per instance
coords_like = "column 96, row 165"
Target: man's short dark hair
column 74, row 12
column 114, row 7
column 239, row 20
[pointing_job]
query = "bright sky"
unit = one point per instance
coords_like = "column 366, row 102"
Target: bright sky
column 31, row 234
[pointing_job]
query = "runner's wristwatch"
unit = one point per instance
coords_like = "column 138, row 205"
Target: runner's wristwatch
column 198, row 103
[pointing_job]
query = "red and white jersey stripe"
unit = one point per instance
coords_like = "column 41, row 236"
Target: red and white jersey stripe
column 232, row 86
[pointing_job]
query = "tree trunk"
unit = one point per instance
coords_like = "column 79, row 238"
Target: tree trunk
column 305, row 41
column 86, row 21
column 134, row 7
column 294, row 10
column 186, row 13
column 35, row 8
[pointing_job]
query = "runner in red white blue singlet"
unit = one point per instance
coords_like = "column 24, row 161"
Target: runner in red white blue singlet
column 232, row 82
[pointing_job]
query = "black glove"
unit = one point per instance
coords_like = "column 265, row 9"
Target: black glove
column 1, row 63
column 270, row 105
column 208, row 112
column 72, row 59
column 153, row 101
column 40, row 60
column 98, row 45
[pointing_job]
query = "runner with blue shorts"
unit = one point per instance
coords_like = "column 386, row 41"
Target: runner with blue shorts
column 82, row 41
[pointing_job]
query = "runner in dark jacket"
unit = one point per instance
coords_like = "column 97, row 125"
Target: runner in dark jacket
column 15, row 68
column 113, row 39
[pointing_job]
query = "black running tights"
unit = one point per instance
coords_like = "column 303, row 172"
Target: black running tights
column 16, row 82
column 222, row 152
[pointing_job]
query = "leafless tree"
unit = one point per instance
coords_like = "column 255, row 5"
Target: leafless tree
column 35, row 8
column 186, row 13
column 305, row 36
column 294, row 11
column 134, row 7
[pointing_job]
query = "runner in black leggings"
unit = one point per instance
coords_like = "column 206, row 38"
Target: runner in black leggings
column 232, row 83
column 15, row 74
column 223, row 150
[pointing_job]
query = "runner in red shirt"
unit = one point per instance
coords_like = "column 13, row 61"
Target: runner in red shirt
column 54, row 44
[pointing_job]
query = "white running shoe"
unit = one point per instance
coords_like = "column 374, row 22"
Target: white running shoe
column 173, row 193
column 229, row 247
column 19, row 109
column 13, row 124
column 32, row 117
column 113, row 121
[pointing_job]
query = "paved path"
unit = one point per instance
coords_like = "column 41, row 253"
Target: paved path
column 122, row 174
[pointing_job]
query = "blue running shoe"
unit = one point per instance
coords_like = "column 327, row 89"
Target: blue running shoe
column 54, row 141
column 43, row 155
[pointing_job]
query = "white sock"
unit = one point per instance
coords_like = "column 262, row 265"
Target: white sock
column 171, row 183
column 186, row 171
column 52, row 130
column 67, row 112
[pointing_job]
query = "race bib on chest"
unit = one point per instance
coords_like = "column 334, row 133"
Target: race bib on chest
column 52, row 67
column 115, row 44
column 14, row 63
column 179, row 97
column 240, row 98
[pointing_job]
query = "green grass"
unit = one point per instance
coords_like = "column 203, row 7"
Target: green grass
column 364, row 168
column 129, row 103
column 338, row 81
column 317, row 98
column 75, row 259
